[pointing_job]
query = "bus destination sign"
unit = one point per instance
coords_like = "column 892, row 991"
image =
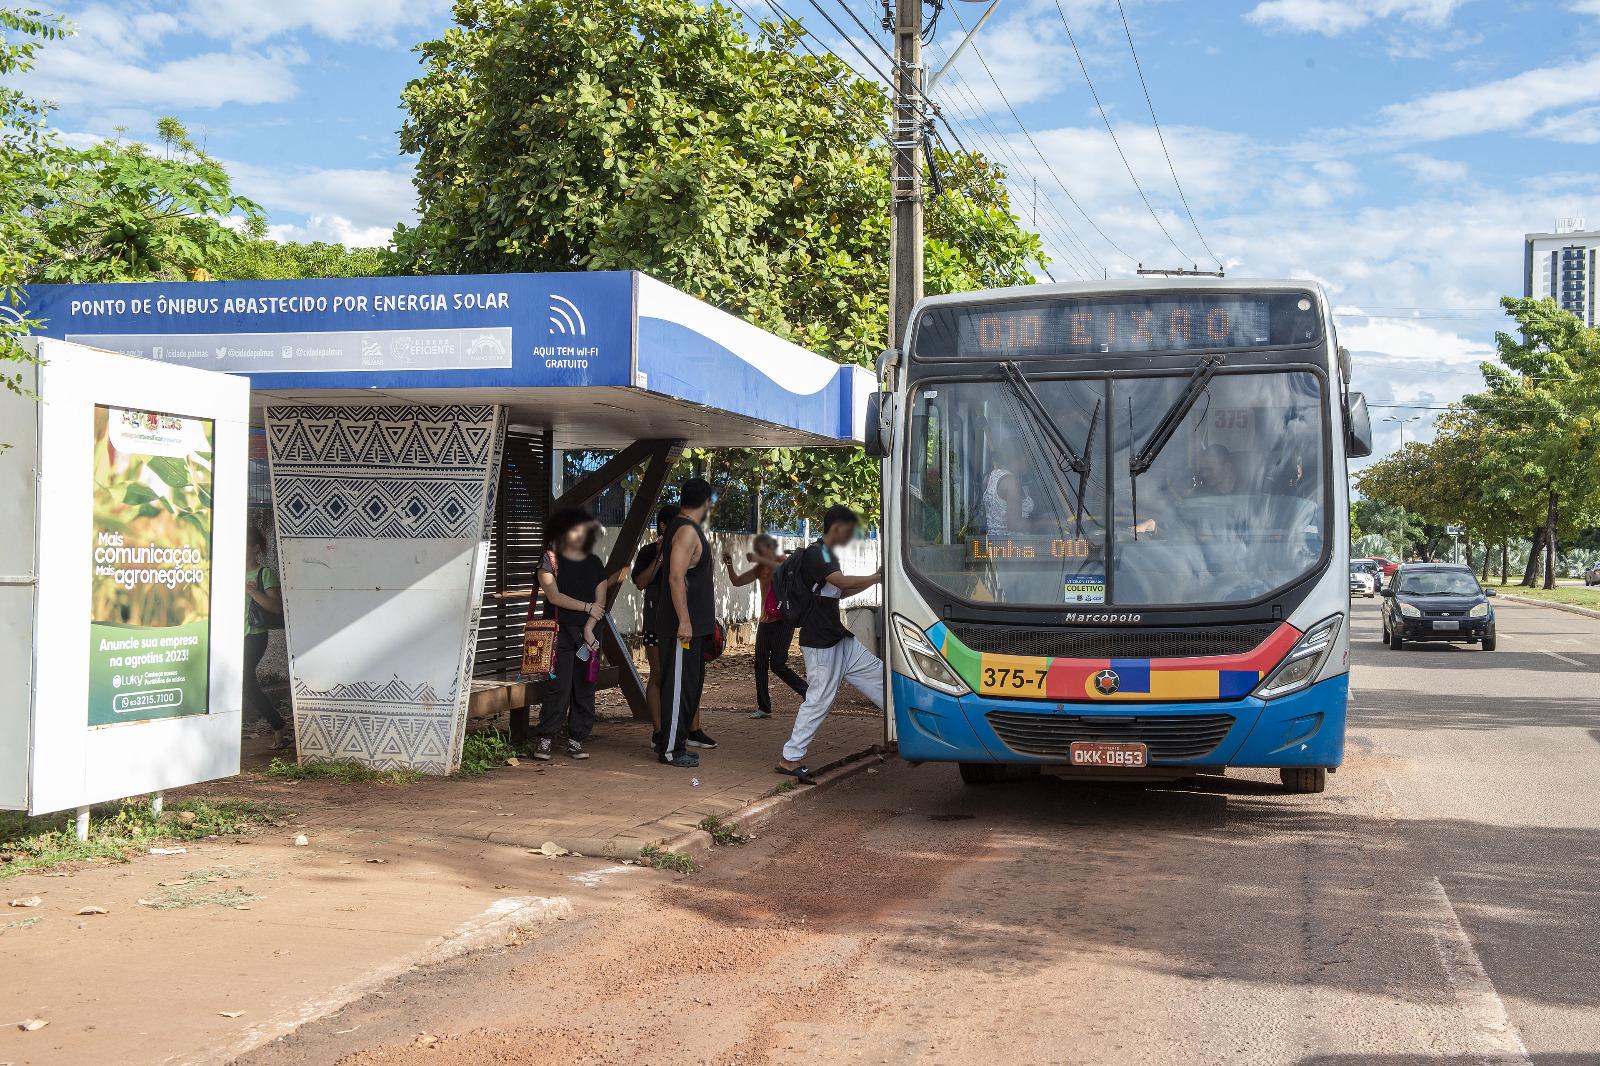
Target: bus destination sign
column 1084, row 326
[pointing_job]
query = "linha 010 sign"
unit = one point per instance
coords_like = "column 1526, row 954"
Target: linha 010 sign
column 150, row 615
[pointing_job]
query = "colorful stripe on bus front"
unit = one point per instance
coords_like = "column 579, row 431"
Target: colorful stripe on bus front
column 1207, row 677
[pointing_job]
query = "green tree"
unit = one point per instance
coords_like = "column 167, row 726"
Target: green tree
column 658, row 135
column 1539, row 404
column 263, row 260
column 122, row 211
column 25, row 172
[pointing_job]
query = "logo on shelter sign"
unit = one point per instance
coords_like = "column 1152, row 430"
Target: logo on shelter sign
column 565, row 318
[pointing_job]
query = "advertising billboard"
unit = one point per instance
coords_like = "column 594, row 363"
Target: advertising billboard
column 150, row 607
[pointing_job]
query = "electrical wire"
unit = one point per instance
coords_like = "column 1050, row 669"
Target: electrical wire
column 1162, row 137
column 864, row 29
column 1114, row 141
column 845, row 36
column 976, row 51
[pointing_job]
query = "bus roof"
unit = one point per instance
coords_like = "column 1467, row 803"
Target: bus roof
column 1126, row 285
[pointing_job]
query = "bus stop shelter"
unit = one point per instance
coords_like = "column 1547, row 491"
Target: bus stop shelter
column 410, row 426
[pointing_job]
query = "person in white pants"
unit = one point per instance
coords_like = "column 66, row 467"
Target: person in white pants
column 833, row 656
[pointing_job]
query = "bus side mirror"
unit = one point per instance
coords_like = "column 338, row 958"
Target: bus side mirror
column 880, row 405
column 1358, row 427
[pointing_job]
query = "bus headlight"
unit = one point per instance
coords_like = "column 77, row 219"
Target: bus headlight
column 1410, row 611
column 1480, row 610
column 1304, row 660
column 926, row 662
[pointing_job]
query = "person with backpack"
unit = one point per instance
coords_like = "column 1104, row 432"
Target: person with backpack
column 648, row 576
column 809, row 592
column 263, row 612
column 574, row 583
column 773, row 634
column 686, row 620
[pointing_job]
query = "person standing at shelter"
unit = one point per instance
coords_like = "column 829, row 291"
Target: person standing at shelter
column 833, row 656
column 773, row 634
column 685, row 619
column 263, row 607
column 574, row 583
column 648, row 576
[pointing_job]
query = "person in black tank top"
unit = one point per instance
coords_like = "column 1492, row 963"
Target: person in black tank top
column 685, row 617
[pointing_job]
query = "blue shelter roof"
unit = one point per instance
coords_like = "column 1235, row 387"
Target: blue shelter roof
column 602, row 358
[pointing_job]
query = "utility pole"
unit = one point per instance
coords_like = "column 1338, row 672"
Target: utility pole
column 905, row 259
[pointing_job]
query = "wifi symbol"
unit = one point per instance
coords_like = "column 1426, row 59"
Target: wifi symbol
column 565, row 317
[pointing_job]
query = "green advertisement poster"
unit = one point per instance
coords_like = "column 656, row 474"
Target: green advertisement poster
column 150, row 616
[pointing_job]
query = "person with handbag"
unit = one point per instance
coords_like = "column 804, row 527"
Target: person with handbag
column 773, row 634
column 574, row 583
column 263, row 612
column 649, row 575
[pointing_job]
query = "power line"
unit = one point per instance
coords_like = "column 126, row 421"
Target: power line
column 1070, row 245
column 1035, row 146
column 845, row 36
column 1115, row 143
column 1162, row 137
column 863, row 27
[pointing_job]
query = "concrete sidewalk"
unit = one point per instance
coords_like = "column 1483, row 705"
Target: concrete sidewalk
column 392, row 876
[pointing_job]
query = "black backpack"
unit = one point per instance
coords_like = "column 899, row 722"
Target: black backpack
column 795, row 596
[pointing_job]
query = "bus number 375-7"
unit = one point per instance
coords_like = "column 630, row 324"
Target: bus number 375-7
column 1009, row 677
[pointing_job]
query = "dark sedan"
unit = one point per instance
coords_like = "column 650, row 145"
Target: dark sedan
column 1436, row 601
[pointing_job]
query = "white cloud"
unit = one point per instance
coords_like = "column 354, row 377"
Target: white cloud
column 1429, row 170
column 1334, row 17
column 341, row 20
column 351, row 206
column 211, row 79
column 1506, row 104
column 1576, row 127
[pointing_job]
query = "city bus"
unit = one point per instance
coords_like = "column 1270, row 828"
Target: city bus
column 1116, row 530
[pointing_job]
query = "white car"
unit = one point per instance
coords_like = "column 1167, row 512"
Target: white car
column 1362, row 583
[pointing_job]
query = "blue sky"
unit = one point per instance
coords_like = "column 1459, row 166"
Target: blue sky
column 1394, row 150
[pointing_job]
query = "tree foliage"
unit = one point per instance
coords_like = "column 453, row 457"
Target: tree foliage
column 1520, row 455
column 264, row 260
column 659, row 136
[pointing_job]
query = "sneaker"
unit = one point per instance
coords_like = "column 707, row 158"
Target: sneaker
column 699, row 739
column 761, row 714
column 684, row 760
column 541, row 751
column 575, row 749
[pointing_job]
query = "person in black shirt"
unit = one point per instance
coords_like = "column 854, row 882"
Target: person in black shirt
column 685, row 618
column 574, row 582
column 649, row 575
column 832, row 655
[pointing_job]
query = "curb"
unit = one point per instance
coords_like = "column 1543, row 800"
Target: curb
column 502, row 917
column 1587, row 612
column 697, row 843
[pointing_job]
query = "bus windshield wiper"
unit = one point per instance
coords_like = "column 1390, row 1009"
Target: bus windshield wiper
column 1146, row 457
column 1067, row 457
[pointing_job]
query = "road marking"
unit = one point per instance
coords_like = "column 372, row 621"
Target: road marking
column 1475, row 991
column 1558, row 655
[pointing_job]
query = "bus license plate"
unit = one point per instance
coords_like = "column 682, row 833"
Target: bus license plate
column 1447, row 625
column 1114, row 756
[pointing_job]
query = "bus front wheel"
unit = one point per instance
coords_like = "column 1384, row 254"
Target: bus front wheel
column 1304, row 779
column 983, row 773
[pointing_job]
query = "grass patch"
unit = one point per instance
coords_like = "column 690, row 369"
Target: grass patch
column 342, row 771
column 722, row 833
column 661, row 859
column 787, row 786
column 117, row 831
column 1576, row 595
column 174, row 899
column 482, row 751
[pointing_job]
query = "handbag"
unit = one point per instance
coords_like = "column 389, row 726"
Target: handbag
column 259, row 617
column 539, row 636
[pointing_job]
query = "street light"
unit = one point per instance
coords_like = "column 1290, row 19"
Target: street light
column 1403, row 422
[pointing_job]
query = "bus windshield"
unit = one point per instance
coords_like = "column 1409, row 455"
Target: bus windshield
column 1230, row 509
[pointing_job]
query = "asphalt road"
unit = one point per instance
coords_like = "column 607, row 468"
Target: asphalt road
column 1440, row 903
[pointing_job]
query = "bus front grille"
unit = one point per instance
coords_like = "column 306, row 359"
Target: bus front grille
column 1168, row 736
column 1042, row 642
